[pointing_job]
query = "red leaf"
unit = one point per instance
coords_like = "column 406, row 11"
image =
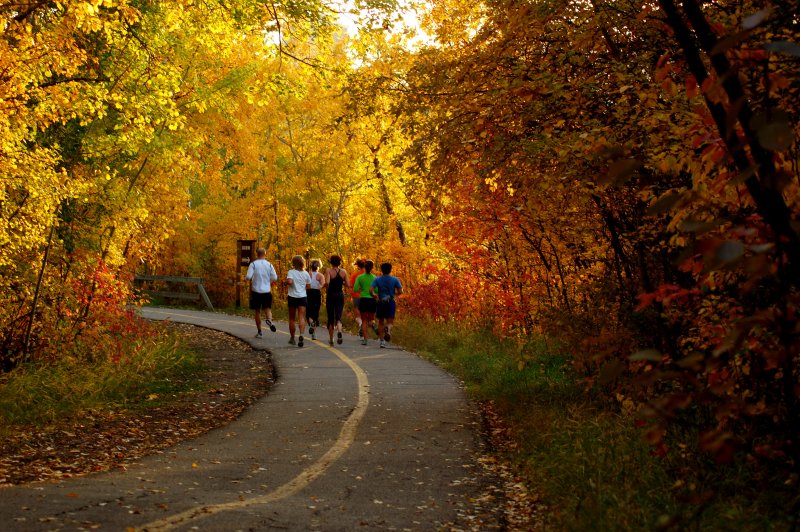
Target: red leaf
column 660, row 450
column 692, row 89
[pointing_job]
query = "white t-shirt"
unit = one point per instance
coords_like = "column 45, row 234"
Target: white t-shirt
column 262, row 274
column 300, row 279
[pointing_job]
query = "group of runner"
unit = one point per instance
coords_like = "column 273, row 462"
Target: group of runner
column 373, row 297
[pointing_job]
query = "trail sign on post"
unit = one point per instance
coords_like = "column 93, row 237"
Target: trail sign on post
column 245, row 254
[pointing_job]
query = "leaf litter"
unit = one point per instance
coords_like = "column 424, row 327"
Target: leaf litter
column 108, row 440
column 504, row 502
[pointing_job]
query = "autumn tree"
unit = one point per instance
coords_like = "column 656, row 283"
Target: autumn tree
column 623, row 176
column 302, row 170
column 102, row 140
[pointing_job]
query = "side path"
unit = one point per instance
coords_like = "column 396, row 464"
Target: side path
column 349, row 437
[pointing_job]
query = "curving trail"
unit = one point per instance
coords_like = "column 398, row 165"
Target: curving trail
column 349, row 437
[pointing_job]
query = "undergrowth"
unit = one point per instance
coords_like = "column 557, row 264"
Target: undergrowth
column 585, row 459
column 151, row 367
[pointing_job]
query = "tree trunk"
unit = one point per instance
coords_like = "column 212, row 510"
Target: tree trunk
column 769, row 201
column 387, row 202
column 29, row 328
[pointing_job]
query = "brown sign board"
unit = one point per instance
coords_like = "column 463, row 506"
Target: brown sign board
column 246, row 251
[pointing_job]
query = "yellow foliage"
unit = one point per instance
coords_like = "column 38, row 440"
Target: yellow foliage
column 102, row 139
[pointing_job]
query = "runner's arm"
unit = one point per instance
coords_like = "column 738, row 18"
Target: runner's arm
column 372, row 285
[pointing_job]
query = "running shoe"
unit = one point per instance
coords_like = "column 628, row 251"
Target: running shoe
column 291, row 340
column 271, row 326
column 383, row 343
column 313, row 337
column 259, row 335
column 300, row 341
column 363, row 341
column 330, row 342
column 386, row 335
column 339, row 337
column 311, row 331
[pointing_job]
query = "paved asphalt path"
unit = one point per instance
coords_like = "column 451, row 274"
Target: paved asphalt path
column 350, row 437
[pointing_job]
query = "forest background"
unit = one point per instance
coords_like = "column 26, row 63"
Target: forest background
column 609, row 190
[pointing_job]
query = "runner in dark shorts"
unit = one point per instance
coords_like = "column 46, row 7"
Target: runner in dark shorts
column 385, row 310
column 314, row 292
column 366, row 303
column 261, row 275
column 297, row 302
column 359, row 264
column 384, row 289
column 336, row 279
column 298, row 281
column 259, row 301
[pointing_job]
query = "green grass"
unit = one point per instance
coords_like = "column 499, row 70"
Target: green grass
column 586, row 460
column 40, row 394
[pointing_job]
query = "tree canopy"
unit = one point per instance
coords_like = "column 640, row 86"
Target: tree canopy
column 621, row 177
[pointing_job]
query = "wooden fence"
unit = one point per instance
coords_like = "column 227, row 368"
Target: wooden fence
column 190, row 296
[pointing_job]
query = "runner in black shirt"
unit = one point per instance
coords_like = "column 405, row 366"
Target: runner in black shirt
column 336, row 279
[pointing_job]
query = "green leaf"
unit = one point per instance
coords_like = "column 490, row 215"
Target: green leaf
column 698, row 226
column 650, row 355
column 729, row 42
column 744, row 176
column 664, row 204
column 729, row 251
column 756, row 19
column 773, row 129
column 777, row 136
column 783, row 47
column 762, row 248
column 692, row 361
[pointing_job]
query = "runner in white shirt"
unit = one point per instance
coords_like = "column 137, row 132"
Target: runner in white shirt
column 261, row 275
column 298, row 281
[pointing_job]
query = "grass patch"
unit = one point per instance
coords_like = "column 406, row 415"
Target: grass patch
column 586, row 460
column 40, row 394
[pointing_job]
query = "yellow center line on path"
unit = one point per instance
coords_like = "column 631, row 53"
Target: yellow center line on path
column 308, row 475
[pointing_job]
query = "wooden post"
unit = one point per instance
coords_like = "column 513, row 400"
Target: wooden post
column 245, row 254
column 237, row 278
column 205, row 296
